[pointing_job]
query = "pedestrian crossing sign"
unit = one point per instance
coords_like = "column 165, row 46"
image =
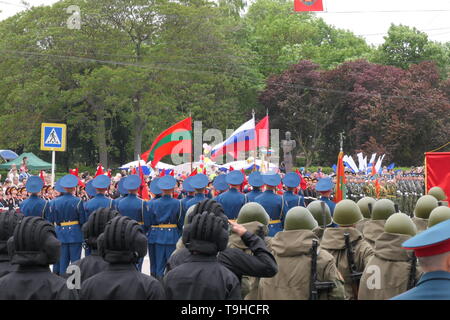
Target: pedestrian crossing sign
column 53, row 136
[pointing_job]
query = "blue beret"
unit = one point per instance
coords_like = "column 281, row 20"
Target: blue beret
column 433, row 241
column 220, row 182
column 90, row 190
column 132, row 182
column 68, row 181
column 101, row 182
column 167, row 183
column 255, row 179
column 324, row 184
column 291, row 180
column 154, row 188
column 122, row 190
column 58, row 186
column 34, row 184
column 271, row 179
column 234, row 177
column 187, row 186
column 199, row 181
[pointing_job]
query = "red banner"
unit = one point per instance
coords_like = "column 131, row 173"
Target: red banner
column 305, row 5
column 437, row 171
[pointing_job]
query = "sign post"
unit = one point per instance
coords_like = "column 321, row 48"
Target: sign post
column 53, row 138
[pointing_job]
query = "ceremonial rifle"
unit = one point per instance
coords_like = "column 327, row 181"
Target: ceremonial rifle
column 355, row 276
column 316, row 286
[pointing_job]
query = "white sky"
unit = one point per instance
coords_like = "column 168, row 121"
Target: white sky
column 432, row 17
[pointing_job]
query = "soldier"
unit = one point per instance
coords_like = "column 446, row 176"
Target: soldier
column 324, row 187
column 439, row 194
column 90, row 190
column 347, row 246
column 365, row 205
column 165, row 218
column 291, row 180
column 220, row 185
column 201, row 276
column 94, row 263
column 8, row 221
column 134, row 207
column 199, row 183
column 232, row 200
column 321, row 213
column 187, row 188
column 391, row 270
column 431, row 248
column 273, row 203
column 438, row 215
column 155, row 189
column 101, row 184
column 122, row 191
column 422, row 211
column 33, row 248
column 256, row 181
column 122, row 245
column 35, row 206
column 67, row 212
column 382, row 210
column 292, row 249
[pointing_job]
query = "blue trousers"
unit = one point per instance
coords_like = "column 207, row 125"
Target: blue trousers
column 70, row 252
column 159, row 254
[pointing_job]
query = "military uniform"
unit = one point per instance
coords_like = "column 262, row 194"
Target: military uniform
column 252, row 195
column 99, row 201
column 292, row 200
column 35, row 206
column 372, row 230
column 232, row 201
column 256, row 181
column 275, row 207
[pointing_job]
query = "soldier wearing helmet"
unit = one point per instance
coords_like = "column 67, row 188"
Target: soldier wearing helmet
column 382, row 210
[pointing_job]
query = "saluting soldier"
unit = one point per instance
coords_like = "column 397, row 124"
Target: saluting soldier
column 232, row 200
column 291, row 180
column 35, row 206
column 274, row 205
column 134, row 207
column 256, row 181
column 165, row 219
column 67, row 212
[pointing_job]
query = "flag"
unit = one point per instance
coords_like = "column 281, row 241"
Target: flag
column 340, row 179
column 377, row 188
column 242, row 139
column 360, row 161
column 437, row 171
column 308, row 5
column 99, row 170
column 262, row 132
column 193, row 173
column 41, row 175
column 174, row 140
column 302, row 181
column 143, row 188
column 391, row 166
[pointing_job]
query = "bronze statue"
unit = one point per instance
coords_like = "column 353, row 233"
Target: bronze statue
column 288, row 146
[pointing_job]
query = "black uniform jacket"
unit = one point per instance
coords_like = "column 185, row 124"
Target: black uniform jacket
column 121, row 281
column 90, row 265
column 5, row 266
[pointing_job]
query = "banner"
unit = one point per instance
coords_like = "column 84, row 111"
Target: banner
column 437, row 171
column 308, row 5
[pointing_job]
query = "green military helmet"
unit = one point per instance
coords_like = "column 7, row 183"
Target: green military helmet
column 383, row 209
column 298, row 218
column 438, row 215
column 424, row 206
column 347, row 213
column 188, row 212
column 438, row 193
column 400, row 223
column 315, row 208
column 253, row 211
column 363, row 205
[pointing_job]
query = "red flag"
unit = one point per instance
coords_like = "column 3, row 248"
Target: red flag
column 41, row 175
column 302, row 181
column 143, row 188
column 193, row 173
column 172, row 172
column 262, row 132
column 308, row 5
column 437, row 171
column 340, row 179
column 99, row 170
column 374, row 170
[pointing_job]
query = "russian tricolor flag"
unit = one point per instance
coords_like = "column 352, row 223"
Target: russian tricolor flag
column 242, row 139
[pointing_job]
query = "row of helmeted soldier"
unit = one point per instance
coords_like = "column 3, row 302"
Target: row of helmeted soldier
column 256, row 245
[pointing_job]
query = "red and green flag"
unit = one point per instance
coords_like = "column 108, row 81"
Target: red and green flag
column 340, row 179
column 174, row 140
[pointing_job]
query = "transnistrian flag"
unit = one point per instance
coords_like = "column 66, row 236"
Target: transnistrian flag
column 340, row 181
column 308, row 5
column 174, row 140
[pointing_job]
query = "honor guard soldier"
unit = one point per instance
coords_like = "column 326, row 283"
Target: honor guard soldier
column 199, row 183
column 155, row 189
column 324, row 187
column 122, row 191
column 256, row 181
column 90, row 190
column 67, row 212
column 220, row 185
column 35, row 206
column 432, row 249
column 101, row 184
column 291, row 180
column 274, row 205
column 438, row 215
column 165, row 218
column 134, row 207
column 232, row 200
column 321, row 213
column 189, row 193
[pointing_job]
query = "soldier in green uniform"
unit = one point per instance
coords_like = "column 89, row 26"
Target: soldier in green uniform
column 365, row 205
column 382, row 210
column 424, row 206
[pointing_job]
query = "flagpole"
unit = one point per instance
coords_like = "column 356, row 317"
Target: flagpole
column 255, row 153
column 192, row 143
